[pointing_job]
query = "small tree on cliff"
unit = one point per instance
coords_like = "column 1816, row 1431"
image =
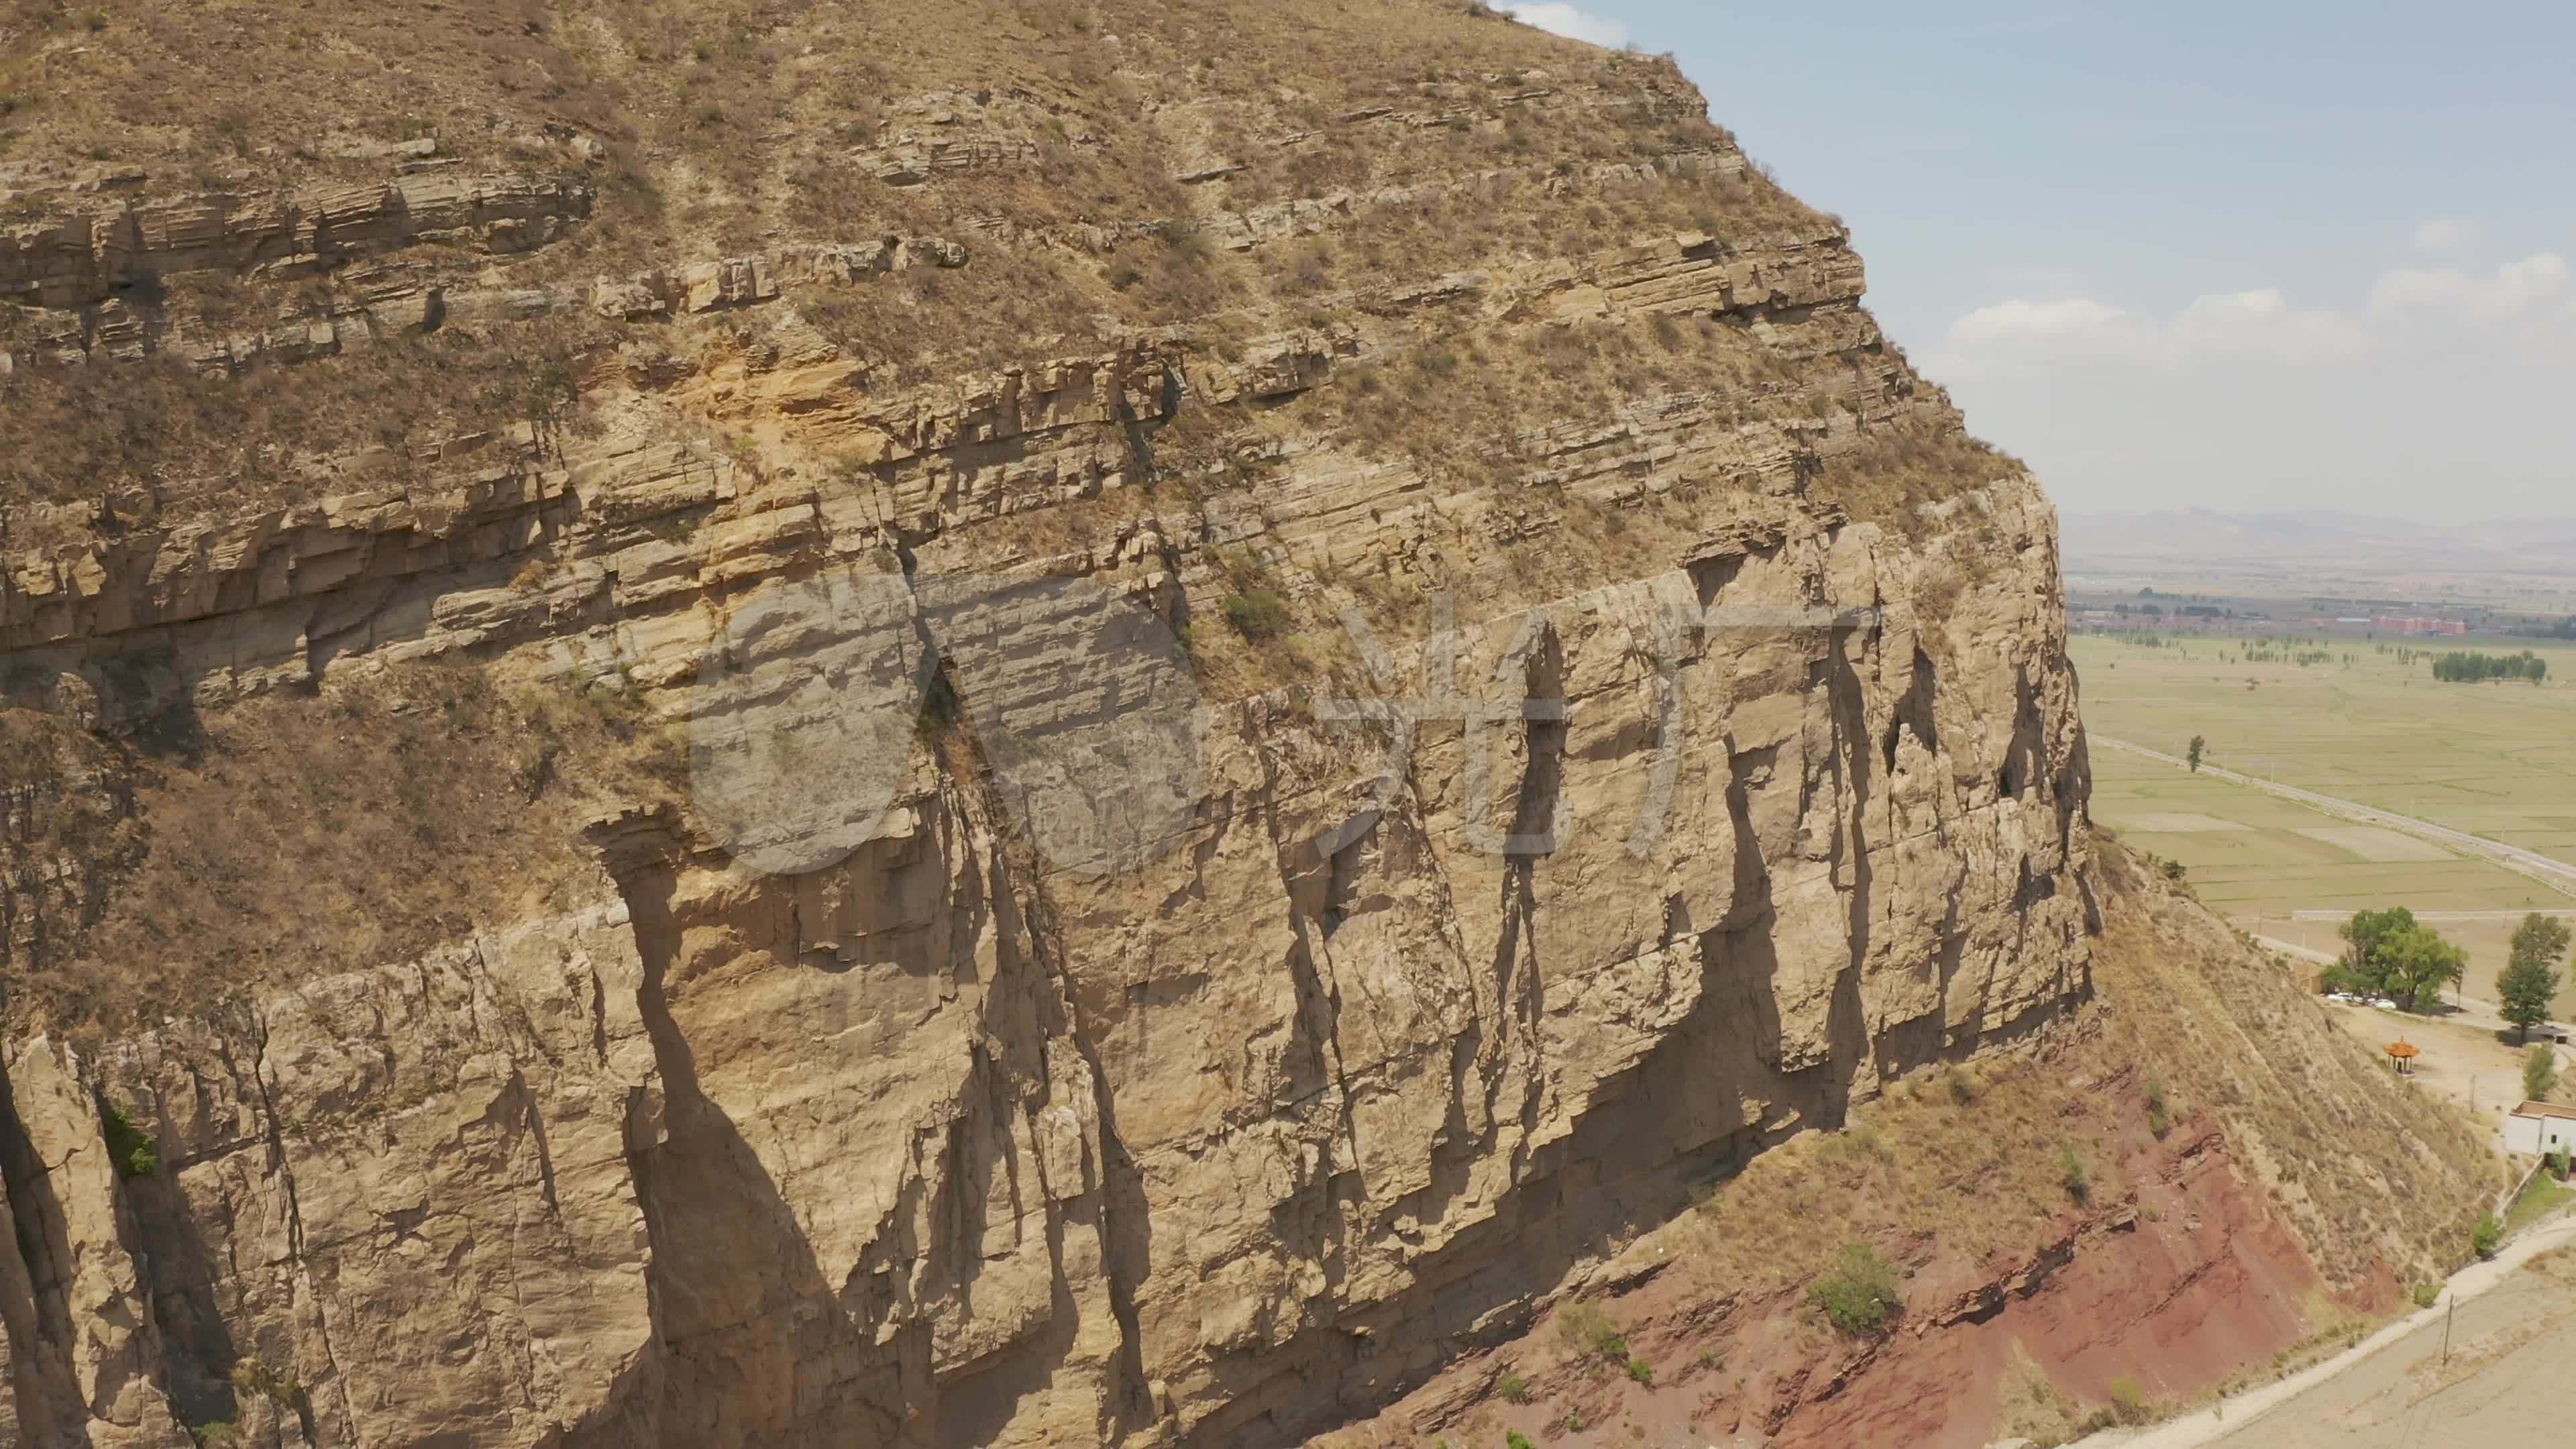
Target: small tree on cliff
column 2199, row 752
column 1861, row 1292
column 2529, row 981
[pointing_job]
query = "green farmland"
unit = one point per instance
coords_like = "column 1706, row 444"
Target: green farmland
column 2496, row 760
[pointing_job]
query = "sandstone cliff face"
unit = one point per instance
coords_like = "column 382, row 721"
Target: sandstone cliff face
column 918, row 1125
column 944, row 1141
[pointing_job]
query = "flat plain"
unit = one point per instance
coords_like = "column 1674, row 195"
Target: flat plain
column 2369, row 724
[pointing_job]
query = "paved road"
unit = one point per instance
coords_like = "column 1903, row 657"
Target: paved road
column 2556, row 874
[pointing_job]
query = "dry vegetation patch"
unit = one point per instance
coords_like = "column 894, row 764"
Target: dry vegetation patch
column 300, row 835
column 226, row 444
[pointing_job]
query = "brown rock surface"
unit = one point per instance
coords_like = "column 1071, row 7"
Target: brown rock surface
column 996, row 451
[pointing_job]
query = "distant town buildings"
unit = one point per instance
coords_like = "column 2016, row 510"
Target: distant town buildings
column 2148, row 611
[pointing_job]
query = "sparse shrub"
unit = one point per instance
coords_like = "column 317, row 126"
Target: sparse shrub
column 1256, row 614
column 2487, row 1236
column 1515, row 1439
column 2427, row 1294
column 128, row 1146
column 278, row 1386
column 2070, row 1171
column 2129, row 1402
column 2159, row 1121
column 1182, row 237
column 1860, row 1293
column 1593, row 1331
column 1514, row 1389
column 1641, row 1372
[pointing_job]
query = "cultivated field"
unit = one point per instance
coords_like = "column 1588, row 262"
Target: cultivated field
column 2494, row 760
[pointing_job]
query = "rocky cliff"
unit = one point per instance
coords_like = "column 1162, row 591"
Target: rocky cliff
column 1053, row 726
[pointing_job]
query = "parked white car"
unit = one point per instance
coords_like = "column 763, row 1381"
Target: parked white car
column 2385, row 1004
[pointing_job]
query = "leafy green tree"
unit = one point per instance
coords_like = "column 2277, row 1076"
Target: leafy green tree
column 2471, row 667
column 2418, row 960
column 2199, row 752
column 1860, row 1293
column 2529, row 981
column 2539, row 1072
column 2362, row 968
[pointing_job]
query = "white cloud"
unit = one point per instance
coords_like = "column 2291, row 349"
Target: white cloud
column 1566, row 20
column 2445, row 234
column 2071, row 326
column 2260, row 324
column 2516, row 290
column 2257, row 324
column 2528, row 306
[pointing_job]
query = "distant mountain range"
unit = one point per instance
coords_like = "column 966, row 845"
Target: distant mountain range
column 2336, row 545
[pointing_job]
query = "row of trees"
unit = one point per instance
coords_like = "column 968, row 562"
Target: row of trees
column 2470, row 667
column 2389, row 953
column 2303, row 658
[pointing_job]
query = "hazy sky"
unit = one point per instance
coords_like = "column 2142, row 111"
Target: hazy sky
column 2267, row 254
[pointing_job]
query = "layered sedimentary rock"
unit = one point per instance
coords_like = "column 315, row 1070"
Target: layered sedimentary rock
column 94, row 253
column 941, row 1137
column 1602, row 717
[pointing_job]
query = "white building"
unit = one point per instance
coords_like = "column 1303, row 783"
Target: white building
column 2537, row 1127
